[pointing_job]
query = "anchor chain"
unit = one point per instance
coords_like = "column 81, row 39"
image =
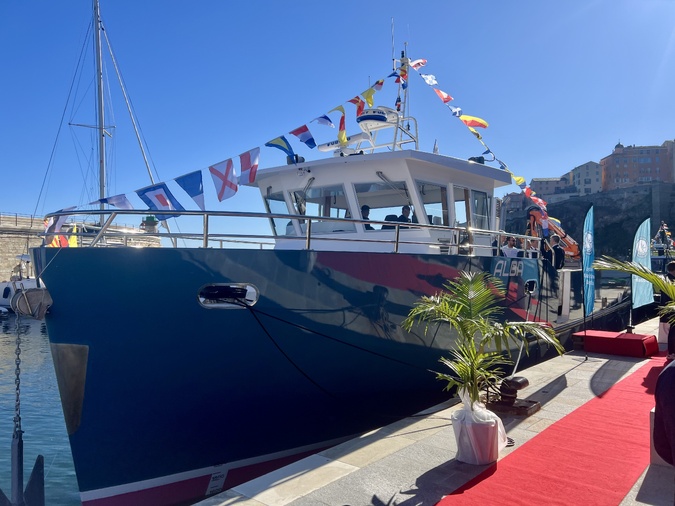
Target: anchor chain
column 17, row 380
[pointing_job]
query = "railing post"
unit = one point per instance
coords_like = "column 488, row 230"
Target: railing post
column 398, row 232
column 308, row 233
column 206, row 231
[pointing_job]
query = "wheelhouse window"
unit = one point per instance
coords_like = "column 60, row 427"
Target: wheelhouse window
column 435, row 200
column 323, row 202
column 462, row 206
column 275, row 204
column 386, row 200
column 481, row 209
column 326, row 201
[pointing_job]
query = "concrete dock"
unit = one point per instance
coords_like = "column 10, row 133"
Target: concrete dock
column 412, row 462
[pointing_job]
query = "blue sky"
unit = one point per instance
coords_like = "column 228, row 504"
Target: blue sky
column 559, row 82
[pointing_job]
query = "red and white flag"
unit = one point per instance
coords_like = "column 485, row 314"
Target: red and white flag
column 249, row 166
column 443, row 95
column 224, row 179
column 418, row 64
column 359, row 103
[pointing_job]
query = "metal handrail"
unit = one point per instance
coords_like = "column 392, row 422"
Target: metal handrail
column 206, row 237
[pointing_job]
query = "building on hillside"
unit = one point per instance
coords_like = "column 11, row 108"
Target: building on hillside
column 632, row 165
column 545, row 186
column 554, row 189
column 586, row 178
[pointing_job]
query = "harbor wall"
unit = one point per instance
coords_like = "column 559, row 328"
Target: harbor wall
column 18, row 233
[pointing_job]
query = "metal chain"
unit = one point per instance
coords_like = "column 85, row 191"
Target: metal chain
column 17, row 380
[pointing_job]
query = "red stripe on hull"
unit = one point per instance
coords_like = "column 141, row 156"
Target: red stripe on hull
column 191, row 490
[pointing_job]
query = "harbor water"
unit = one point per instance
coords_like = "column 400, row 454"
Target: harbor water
column 41, row 416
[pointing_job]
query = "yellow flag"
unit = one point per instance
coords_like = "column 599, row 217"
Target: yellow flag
column 72, row 240
column 368, row 95
column 342, row 134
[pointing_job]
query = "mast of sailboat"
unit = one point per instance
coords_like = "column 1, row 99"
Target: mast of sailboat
column 99, row 103
column 98, row 48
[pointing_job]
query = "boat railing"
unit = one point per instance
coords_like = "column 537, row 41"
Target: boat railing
column 466, row 241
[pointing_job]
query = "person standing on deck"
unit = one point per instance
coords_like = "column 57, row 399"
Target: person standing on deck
column 509, row 249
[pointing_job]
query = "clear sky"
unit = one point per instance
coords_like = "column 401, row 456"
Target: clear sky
column 560, row 83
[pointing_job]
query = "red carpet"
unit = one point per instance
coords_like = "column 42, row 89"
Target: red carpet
column 594, row 455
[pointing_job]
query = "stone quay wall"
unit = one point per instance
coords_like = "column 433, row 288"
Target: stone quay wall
column 18, row 233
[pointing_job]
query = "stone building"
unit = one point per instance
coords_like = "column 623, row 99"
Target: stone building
column 632, row 165
column 586, row 178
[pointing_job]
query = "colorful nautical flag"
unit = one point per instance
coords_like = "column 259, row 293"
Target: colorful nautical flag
column 368, row 95
column 429, row 79
column 324, row 120
column 249, row 165
column 540, row 202
column 588, row 257
column 342, row 134
column 119, row 201
column 224, row 179
column 642, row 290
column 473, row 121
column 159, row 198
column 359, row 103
column 456, row 111
column 418, row 64
column 520, row 181
column 378, row 84
column 193, row 185
column 443, row 95
column 282, row 144
column 305, row 136
column 475, row 132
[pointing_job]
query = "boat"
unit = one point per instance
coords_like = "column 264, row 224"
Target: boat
column 19, row 279
column 200, row 366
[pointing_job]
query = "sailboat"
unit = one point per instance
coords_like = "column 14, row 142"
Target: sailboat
column 290, row 342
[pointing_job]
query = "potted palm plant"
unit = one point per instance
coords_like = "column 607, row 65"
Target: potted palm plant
column 470, row 307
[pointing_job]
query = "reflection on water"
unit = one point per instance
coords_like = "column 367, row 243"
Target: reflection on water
column 41, row 415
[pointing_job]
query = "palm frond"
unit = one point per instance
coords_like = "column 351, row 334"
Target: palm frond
column 658, row 281
column 470, row 305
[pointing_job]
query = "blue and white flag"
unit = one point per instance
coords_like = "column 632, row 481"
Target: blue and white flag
column 642, row 291
column 193, row 185
column 588, row 259
column 430, row 79
column 158, row 197
column 120, row 201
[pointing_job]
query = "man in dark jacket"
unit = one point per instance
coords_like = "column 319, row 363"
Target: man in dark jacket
column 558, row 256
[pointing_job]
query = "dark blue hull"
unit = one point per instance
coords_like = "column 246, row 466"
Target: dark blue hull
column 171, row 409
